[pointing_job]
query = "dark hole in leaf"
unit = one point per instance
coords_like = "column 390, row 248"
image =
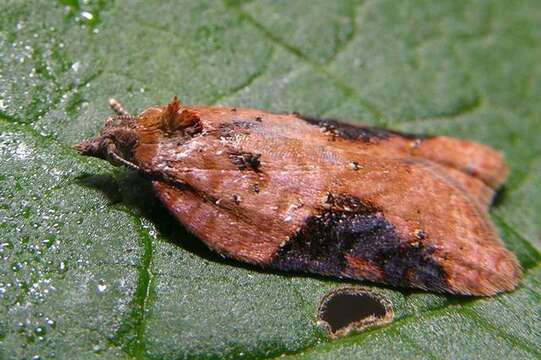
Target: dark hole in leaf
column 343, row 309
column 353, row 308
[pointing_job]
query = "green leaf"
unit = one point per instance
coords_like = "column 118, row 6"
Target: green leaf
column 94, row 267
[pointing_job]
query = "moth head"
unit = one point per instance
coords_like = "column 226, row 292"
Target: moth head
column 115, row 143
column 122, row 133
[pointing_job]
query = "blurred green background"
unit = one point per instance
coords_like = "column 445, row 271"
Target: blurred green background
column 94, row 267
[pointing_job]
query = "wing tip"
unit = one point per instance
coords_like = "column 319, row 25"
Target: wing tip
column 503, row 276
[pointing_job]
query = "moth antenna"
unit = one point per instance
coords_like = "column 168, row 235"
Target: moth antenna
column 117, row 107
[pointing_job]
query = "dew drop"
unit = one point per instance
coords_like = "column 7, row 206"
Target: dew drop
column 51, row 323
column 75, row 66
column 40, row 331
column 87, row 15
column 62, row 268
column 101, row 286
column 18, row 266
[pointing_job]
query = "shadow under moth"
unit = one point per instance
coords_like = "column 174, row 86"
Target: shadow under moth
column 300, row 194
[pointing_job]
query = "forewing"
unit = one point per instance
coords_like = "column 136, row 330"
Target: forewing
column 476, row 168
column 403, row 224
column 317, row 201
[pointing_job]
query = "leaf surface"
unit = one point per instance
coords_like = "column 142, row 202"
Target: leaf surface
column 94, row 267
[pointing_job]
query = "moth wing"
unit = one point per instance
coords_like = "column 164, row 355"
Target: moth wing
column 472, row 158
column 412, row 226
column 476, row 160
column 472, row 186
column 476, row 168
column 219, row 229
column 416, row 227
column 453, row 225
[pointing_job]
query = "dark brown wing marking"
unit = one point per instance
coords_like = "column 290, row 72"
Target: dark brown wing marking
column 357, row 132
column 328, row 240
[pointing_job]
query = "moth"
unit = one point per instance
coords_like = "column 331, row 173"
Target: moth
column 300, row 194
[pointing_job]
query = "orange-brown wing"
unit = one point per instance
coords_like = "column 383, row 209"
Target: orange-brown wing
column 404, row 225
column 222, row 228
column 390, row 222
column 279, row 192
column 476, row 160
column 476, row 168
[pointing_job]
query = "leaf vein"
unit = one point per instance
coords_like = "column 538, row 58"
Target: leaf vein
column 342, row 86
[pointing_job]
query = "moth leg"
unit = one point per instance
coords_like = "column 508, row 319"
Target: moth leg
column 117, row 107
